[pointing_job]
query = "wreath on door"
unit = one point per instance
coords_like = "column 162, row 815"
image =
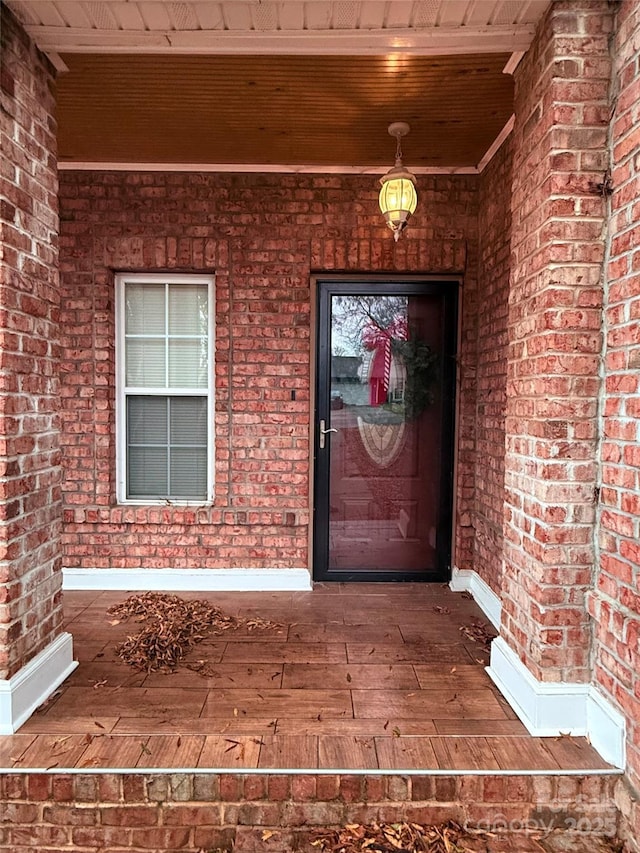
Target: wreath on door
column 393, row 349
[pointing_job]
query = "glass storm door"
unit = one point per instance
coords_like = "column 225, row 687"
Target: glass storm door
column 384, row 430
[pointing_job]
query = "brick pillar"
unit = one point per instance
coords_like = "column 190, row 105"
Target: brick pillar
column 554, row 328
column 30, row 507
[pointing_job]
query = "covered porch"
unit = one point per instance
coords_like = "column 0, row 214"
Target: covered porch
column 350, row 677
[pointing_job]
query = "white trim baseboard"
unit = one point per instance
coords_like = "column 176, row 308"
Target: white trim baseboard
column 466, row 580
column 188, row 580
column 606, row 728
column 21, row 694
column 549, row 709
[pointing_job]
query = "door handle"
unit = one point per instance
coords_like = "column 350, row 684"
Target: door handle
column 324, row 432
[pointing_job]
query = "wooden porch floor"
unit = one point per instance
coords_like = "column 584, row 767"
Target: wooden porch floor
column 360, row 677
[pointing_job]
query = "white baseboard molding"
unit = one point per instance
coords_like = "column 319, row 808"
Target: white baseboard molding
column 606, row 728
column 25, row 691
column 466, row 580
column 188, row 580
column 549, row 709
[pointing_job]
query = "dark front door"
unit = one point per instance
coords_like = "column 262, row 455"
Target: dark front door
column 384, row 430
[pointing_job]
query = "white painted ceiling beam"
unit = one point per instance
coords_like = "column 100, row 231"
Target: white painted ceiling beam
column 261, row 168
column 433, row 42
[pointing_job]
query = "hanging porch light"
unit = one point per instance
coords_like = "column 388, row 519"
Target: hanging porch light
column 398, row 196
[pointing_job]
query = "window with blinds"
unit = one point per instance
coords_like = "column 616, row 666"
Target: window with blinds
column 165, row 391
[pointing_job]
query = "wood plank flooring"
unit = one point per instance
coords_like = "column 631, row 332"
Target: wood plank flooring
column 354, row 677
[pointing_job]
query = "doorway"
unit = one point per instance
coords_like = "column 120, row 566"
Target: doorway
column 384, row 429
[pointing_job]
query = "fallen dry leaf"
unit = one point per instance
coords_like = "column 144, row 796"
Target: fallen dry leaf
column 173, row 626
column 481, row 633
column 447, row 837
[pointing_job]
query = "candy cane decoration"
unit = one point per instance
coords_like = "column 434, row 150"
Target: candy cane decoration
column 378, row 340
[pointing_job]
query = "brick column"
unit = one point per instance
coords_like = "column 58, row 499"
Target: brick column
column 30, row 501
column 615, row 603
column 555, row 340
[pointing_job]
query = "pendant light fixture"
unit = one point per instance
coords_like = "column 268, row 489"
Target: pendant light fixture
column 398, row 197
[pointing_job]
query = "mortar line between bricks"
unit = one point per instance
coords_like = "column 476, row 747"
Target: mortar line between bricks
column 303, row 771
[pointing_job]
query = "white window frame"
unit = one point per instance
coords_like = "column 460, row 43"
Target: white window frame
column 122, row 392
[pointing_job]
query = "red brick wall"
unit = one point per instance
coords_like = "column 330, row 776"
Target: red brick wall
column 262, row 236
column 560, row 153
column 491, row 378
column 616, row 602
column 187, row 811
column 30, row 507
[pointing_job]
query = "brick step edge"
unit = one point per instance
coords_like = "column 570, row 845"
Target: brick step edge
column 192, row 811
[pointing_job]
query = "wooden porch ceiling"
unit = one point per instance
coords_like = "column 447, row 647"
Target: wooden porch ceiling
column 300, row 85
column 297, row 110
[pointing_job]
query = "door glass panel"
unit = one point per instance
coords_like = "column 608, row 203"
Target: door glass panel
column 386, row 458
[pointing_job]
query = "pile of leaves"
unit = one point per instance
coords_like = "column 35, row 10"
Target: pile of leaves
column 447, row 837
column 172, row 627
column 481, row 633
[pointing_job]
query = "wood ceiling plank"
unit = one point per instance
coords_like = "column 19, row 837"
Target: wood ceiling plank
column 237, row 16
column 507, row 12
column 73, row 13
column 128, row 16
column 264, row 17
column 45, row 13
column 317, row 15
column 398, row 14
column 345, row 15
column 155, row 15
column 182, row 16
column 291, row 15
column 480, row 12
column 101, row 15
column 425, row 13
column 371, row 15
column 26, row 12
column 209, row 16
column 453, row 13
column 215, row 109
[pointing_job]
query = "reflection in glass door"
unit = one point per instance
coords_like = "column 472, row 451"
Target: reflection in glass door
column 384, row 430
